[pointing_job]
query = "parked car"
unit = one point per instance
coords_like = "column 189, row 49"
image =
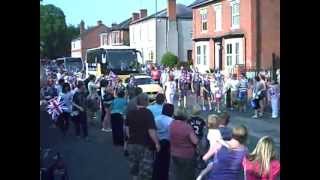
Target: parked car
column 148, row 86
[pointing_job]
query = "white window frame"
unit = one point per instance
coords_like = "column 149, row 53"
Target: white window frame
column 203, row 59
column 218, row 16
column 232, row 4
column 204, row 54
column 198, row 54
column 203, row 13
column 234, row 54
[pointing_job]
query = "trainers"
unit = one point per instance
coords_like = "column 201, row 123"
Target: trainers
column 260, row 115
column 255, row 116
column 106, row 130
column 203, row 108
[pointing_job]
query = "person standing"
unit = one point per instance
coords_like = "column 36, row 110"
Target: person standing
column 65, row 98
column 156, row 74
column 274, row 97
column 243, row 93
column 234, row 84
column 196, row 84
column 257, row 97
column 207, row 94
column 162, row 160
column 93, row 105
column 142, row 141
column 107, row 98
column 183, row 143
column 156, row 108
column 170, row 89
column 262, row 164
column 164, row 77
column 184, row 86
column 79, row 103
column 118, row 107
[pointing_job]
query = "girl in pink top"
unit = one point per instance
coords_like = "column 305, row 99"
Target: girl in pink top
column 261, row 164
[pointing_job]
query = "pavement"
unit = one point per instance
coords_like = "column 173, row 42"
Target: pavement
column 98, row 159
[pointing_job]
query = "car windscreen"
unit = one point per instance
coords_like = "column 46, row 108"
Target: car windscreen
column 142, row 81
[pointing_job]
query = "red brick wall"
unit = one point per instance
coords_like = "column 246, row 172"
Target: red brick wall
column 92, row 39
column 270, row 31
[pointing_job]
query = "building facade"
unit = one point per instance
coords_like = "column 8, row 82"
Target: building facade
column 88, row 39
column 166, row 30
column 233, row 34
column 117, row 36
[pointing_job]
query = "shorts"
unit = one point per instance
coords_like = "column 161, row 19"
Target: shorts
column 255, row 104
column 242, row 98
column 184, row 92
column 140, row 161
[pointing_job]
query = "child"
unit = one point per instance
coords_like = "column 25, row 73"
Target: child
column 218, row 96
column 215, row 139
column 273, row 97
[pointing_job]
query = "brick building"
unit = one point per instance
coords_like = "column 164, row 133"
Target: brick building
column 236, row 33
column 117, row 36
column 88, row 39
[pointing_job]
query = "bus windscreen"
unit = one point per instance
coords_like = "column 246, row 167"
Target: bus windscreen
column 122, row 60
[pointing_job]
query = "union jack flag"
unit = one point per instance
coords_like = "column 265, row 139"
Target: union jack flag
column 55, row 108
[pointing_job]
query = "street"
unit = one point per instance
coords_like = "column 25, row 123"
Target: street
column 98, row 159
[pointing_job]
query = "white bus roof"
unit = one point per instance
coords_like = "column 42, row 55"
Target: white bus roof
column 111, row 47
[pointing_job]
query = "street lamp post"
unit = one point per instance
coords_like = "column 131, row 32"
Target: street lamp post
column 155, row 47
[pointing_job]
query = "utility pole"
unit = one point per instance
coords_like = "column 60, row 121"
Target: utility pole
column 155, row 19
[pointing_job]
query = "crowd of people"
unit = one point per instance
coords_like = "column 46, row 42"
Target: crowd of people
column 218, row 90
column 159, row 138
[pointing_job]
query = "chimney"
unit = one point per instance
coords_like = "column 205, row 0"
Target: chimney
column 135, row 16
column 171, row 10
column 81, row 26
column 143, row 13
column 99, row 22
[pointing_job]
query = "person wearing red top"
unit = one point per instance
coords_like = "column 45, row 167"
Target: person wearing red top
column 183, row 145
column 155, row 74
column 262, row 164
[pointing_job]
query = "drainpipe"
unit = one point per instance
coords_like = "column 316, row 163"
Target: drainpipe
column 258, row 58
column 155, row 47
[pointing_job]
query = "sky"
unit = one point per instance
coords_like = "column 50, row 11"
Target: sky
column 108, row 11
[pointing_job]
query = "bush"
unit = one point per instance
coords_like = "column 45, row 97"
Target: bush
column 169, row 59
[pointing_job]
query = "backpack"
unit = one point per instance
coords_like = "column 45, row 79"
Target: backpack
column 93, row 104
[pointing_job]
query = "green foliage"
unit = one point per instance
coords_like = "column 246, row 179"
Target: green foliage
column 169, row 59
column 182, row 63
column 55, row 36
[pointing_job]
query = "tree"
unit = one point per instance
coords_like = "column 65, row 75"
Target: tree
column 169, row 59
column 53, row 31
column 72, row 33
